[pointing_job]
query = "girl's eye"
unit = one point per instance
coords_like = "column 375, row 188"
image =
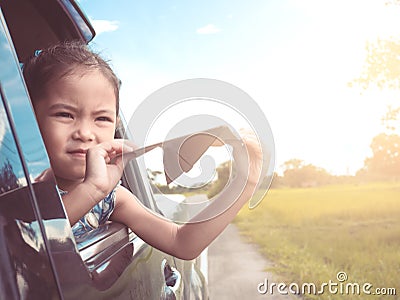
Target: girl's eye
column 64, row 115
column 104, row 119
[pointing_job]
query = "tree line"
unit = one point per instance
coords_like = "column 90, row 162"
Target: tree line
column 382, row 165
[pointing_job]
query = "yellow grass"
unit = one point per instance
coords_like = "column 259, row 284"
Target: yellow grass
column 312, row 234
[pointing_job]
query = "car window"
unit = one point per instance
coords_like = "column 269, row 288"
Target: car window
column 11, row 172
column 20, row 110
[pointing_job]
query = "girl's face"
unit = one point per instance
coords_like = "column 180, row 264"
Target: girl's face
column 76, row 113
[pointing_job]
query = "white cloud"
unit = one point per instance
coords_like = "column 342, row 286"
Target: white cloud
column 101, row 26
column 208, row 29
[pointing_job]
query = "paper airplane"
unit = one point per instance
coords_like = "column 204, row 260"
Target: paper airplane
column 181, row 153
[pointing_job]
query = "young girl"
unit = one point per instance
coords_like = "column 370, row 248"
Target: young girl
column 75, row 95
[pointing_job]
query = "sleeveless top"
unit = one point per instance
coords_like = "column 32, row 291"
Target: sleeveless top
column 98, row 215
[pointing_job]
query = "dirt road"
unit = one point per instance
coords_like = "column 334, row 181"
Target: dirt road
column 236, row 269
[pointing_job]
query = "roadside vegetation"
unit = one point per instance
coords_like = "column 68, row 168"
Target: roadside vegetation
column 312, row 234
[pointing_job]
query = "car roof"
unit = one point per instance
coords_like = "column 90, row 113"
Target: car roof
column 37, row 24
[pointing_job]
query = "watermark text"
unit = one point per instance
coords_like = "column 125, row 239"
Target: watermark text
column 339, row 286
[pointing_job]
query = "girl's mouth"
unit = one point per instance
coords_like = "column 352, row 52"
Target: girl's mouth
column 79, row 153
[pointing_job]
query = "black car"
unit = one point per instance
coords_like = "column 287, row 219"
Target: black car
column 40, row 258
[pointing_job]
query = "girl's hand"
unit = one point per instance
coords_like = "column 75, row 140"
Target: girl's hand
column 252, row 165
column 104, row 167
column 247, row 154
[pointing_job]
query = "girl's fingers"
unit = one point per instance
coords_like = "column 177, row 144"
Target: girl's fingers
column 111, row 151
column 116, row 146
column 112, row 148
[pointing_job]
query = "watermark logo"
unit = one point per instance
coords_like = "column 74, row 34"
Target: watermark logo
column 340, row 286
column 341, row 276
column 197, row 109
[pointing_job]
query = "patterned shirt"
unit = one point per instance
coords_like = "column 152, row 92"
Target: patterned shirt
column 98, row 215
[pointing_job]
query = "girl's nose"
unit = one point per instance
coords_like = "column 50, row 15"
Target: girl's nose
column 83, row 132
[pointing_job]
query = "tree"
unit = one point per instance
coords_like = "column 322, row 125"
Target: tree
column 293, row 163
column 385, row 161
column 382, row 69
column 8, row 179
column 390, row 120
column 224, row 171
column 382, row 65
column 298, row 174
column 275, row 182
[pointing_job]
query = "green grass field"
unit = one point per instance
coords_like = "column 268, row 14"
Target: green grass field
column 312, row 234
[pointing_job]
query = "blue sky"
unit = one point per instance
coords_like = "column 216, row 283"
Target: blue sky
column 293, row 57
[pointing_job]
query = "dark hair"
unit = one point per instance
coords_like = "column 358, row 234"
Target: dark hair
column 64, row 59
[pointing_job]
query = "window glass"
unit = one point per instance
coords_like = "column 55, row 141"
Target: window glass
column 11, row 173
column 21, row 110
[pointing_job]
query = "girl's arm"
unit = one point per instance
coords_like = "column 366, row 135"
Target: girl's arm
column 188, row 240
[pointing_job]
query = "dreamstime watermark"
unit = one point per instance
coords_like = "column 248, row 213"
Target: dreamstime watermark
column 340, row 286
